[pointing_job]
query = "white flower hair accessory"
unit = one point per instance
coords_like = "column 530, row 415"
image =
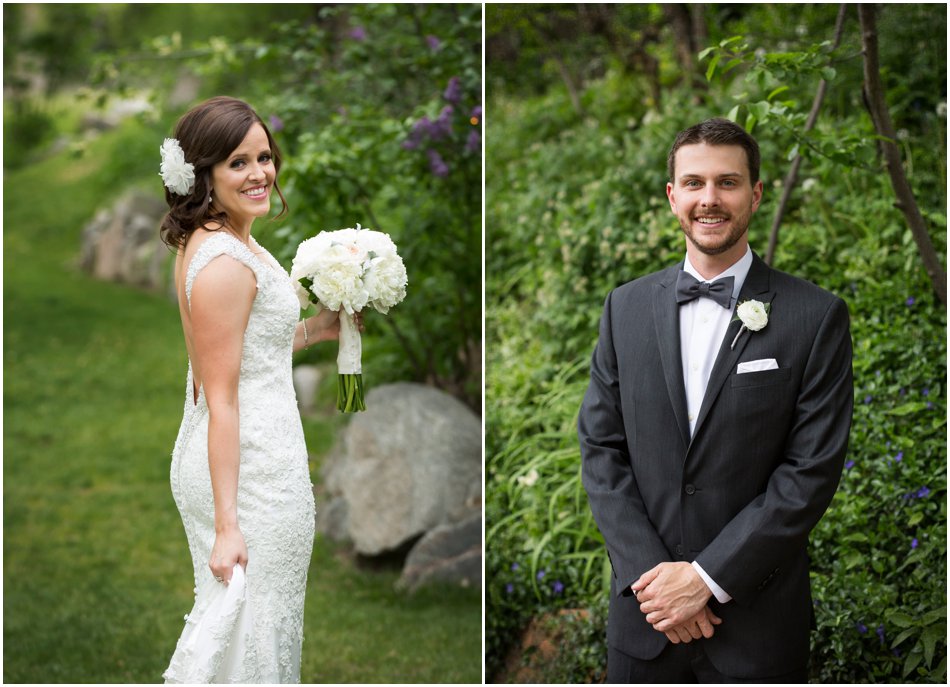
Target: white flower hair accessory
column 178, row 175
column 754, row 315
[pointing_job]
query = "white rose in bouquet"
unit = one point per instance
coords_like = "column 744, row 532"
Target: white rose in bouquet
column 348, row 270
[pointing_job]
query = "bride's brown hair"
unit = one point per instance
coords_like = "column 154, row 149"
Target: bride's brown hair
column 208, row 133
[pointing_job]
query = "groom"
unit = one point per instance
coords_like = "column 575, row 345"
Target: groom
column 711, row 445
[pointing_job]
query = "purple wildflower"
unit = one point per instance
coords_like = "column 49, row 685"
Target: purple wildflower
column 474, row 142
column 910, row 301
column 899, row 457
column 880, row 633
column 276, row 123
column 925, row 392
column 913, row 543
column 930, row 405
column 923, row 491
column 509, row 588
column 453, row 92
column 358, row 33
column 867, row 399
column 862, row 628
column 515, row 566
column 849, row 465
column 557, row 587
column 433, row 42
column 437, row 164
column 541, row 575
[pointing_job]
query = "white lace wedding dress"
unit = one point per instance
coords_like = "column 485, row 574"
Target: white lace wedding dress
column 252, row 630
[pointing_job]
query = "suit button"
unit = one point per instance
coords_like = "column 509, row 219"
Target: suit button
column 690, row 489
column 679, row 549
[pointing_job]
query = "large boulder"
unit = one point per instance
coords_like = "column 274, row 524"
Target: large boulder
column 122, row 243
column 409, row 463
column 449, row 553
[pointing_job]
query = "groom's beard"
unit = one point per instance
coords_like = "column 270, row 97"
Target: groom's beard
column 738, row 226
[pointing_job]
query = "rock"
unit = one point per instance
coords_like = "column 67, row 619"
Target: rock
column 306, row 381
column 448, row 553
column 409, row 463
column 332, row 520
column 123, row 244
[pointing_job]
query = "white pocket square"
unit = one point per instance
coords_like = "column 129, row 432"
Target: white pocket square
column 757, row 366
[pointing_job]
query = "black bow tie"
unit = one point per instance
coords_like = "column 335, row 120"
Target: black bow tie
column 689, row 288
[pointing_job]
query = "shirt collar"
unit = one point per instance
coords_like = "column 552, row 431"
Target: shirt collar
column 739, row 270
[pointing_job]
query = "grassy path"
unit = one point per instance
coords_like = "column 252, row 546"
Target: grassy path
column 97, row 575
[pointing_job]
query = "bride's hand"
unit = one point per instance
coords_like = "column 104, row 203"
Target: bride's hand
column 229, row 549
column 326, row 324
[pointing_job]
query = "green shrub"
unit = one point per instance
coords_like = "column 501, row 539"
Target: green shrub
column 576, row 207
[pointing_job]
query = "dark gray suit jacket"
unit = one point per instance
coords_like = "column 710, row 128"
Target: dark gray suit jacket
column 741, row 496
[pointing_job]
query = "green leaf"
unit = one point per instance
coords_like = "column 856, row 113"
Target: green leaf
column 780, row 89
column 907, row 408
column 912, row 662
column 909, row 632
column 933, row 616
column 828, row 73
column 915, row 518
column 711, row 69
column 733, row 114
column 899, row 619
column 704, row 53
column 793, row 153
column 929, row 638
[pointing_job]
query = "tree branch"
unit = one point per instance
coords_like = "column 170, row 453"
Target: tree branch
column 792, row 177
column 874, row 92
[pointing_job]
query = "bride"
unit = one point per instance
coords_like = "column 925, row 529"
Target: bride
column 239, row 472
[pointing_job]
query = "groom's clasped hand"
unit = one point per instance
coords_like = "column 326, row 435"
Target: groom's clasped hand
column 673, row 597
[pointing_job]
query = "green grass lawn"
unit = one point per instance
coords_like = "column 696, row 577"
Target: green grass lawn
column 97, row 575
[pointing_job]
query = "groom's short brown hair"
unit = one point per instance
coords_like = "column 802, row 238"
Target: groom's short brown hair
column 717, row 132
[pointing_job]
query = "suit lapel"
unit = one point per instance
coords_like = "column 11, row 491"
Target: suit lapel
column 667, row 321
column 756, row 286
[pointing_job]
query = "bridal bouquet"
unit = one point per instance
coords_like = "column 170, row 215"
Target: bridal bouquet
column 348, row 270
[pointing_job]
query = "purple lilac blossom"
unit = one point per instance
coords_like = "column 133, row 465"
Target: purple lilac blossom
column 453, row 92
column 358, row 33
column 476, row 112
column 437, row 164
column 474, row 142
column 433, row 42
column 276, row 123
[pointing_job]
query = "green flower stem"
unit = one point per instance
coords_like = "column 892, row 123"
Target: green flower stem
column 349, row 393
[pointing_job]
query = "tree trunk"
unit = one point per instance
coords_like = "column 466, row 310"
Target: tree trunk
column 874, row 92
column 792, row 177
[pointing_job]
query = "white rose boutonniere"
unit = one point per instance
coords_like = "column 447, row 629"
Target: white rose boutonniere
column 754, row 315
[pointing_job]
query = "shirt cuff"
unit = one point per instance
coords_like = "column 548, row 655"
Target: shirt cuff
column 720, row 594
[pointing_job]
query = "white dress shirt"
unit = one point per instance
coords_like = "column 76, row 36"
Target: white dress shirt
column 703, row 324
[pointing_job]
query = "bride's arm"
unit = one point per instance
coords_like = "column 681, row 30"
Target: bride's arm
column 221, row 300
column 324, row 326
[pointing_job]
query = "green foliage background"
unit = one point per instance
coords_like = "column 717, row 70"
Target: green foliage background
column 97, row 575
column 576, row 206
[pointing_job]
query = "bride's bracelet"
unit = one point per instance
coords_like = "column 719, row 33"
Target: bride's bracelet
column 305, row 337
